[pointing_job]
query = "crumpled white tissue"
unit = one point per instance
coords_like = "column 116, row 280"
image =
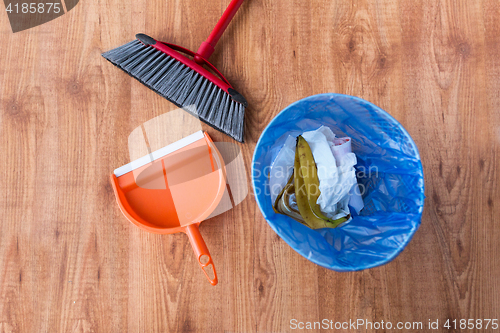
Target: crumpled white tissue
column 282, row 168
column 337, row 176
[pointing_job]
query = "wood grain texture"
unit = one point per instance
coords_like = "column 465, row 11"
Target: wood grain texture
column 70, row 262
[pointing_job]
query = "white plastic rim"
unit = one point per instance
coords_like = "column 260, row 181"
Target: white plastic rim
column 140, row 162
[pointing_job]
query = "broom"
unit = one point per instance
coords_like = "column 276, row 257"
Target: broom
column 187, row 78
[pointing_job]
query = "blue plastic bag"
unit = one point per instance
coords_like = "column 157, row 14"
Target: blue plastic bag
column 389, row 172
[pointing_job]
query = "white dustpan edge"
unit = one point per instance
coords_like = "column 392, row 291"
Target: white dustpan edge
column 140, row 162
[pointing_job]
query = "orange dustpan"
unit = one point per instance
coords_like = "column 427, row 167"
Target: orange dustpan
column 174, row 189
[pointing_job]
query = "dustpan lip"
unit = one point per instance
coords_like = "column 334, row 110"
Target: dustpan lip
column 159, row 153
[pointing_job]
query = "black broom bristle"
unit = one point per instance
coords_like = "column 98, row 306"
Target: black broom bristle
column 181, row 85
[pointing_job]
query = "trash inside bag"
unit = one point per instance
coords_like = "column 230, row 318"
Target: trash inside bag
column 389, row 173
column 334, row 168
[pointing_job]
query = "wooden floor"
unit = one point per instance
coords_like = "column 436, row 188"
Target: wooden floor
column 70, row 261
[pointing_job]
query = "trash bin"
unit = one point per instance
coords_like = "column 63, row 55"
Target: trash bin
column 389, row 173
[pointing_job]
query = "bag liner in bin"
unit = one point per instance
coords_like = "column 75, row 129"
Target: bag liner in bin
column 389, row 173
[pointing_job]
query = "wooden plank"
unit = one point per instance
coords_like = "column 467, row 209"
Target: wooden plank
column 486, row 164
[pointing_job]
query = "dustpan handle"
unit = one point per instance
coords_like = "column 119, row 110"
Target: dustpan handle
column 201, row 251
column 207, row 47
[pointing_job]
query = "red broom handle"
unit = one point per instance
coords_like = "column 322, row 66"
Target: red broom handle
column 207, row 47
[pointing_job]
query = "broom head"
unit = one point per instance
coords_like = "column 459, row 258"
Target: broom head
column 171, row 71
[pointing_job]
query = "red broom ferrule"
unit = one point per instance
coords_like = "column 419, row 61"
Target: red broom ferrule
column 207, row 48
column 203, row 53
